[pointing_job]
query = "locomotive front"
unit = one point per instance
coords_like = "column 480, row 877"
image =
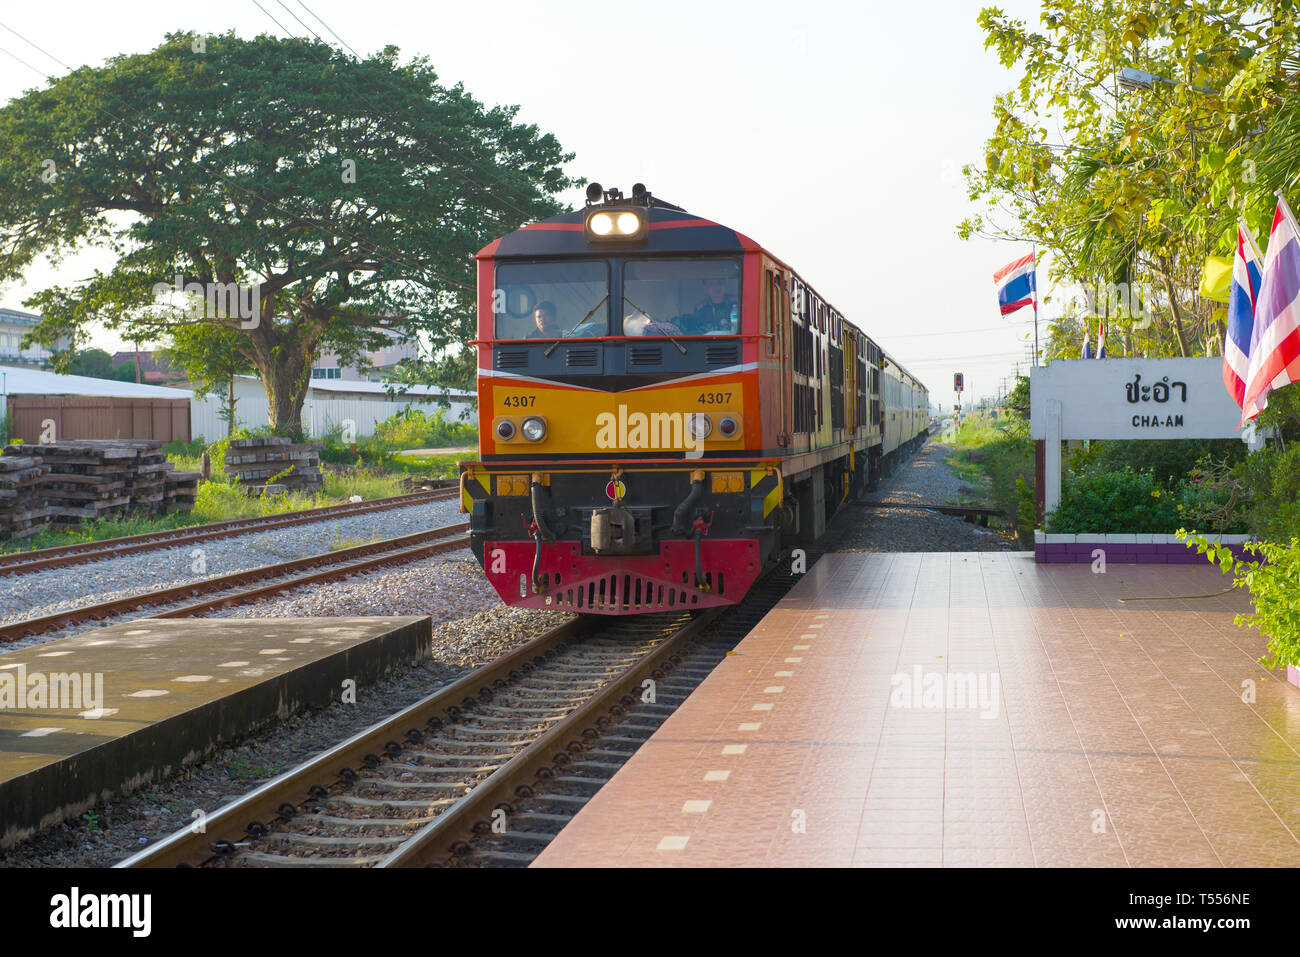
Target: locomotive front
column 621, row 445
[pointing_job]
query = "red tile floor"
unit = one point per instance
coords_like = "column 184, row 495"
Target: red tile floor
column 970, row 709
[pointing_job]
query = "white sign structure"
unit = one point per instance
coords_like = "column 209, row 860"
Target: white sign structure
column 1128, row 399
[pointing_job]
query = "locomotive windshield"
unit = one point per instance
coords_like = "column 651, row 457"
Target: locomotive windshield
column 677, row 297
column 551, row 300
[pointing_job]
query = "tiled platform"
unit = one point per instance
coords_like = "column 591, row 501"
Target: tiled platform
column 1109, row 733
column 173, row 690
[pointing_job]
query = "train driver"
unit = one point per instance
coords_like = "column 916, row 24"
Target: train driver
column 718, row 313
column 544, row 318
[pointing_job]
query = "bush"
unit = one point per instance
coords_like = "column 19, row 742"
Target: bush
column 1169, row 460
column 412, row 429
column 1274, row 583
column 1099, row 500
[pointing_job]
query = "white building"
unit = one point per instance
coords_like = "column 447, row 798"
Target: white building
column 14, row 324
column 330, row 404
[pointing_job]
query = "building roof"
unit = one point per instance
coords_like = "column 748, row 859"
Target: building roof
column 18, row 317
column 17, row 380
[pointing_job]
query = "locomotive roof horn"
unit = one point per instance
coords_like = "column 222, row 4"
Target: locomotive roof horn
column 597, row 195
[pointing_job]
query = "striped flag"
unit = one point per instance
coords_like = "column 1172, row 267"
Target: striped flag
column 1086, row 351
column 1101, row 341
column 1016, row 286
column 1275, row 337
column 1241, row 314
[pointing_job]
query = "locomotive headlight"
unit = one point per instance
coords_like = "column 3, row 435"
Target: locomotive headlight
column 616, row 224
column 534, row 429
column 506, row 429
column 700, row 426
column 728, row 427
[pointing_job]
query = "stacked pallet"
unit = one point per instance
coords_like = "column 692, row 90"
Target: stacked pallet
column 22, row 508
column 272, row 459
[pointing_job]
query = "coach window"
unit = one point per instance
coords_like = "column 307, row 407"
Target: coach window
column 681, row 297
column 578, row 291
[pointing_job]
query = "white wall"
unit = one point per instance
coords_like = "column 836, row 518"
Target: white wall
column 320, row 411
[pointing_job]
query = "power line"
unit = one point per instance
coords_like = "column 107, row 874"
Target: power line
column 329, row 28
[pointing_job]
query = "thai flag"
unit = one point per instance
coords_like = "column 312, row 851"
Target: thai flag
column 1086, row 351
column 1015, row 282
column 1101, row 341
column 1241, row 315
column 1275, row 337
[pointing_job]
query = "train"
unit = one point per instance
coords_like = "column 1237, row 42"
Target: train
column 664, row 405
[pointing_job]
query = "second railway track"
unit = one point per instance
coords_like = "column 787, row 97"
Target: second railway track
column 233, row 589
column 21, row 563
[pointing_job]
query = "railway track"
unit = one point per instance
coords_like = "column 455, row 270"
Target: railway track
column 487, row 770
column 243, row 587
column 61, row 556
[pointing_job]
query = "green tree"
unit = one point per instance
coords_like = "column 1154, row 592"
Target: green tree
column 344, row 196
column 1150, row 175
column 95, row 363
column 211, row 357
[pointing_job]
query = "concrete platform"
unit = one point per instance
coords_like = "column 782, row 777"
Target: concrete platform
column 970, row 709
column 137, row 701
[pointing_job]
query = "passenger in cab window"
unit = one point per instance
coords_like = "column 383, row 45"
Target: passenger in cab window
column 544, row 318
column 717, row 314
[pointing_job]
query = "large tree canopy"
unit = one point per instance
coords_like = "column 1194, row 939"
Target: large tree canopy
column 1131, row 185
column 345, row 195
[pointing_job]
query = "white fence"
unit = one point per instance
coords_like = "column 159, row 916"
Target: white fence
column 320, row 412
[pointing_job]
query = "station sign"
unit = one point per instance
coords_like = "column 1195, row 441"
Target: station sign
column 1134, row 399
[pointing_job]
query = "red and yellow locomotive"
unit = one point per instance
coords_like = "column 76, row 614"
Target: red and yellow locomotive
column 662, row 405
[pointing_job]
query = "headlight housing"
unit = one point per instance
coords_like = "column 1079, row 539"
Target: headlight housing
column 505, row 429
column 534, row 428
column 700, row 425
column 617, row 224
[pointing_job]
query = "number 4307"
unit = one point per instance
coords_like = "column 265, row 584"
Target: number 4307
column 714, row 398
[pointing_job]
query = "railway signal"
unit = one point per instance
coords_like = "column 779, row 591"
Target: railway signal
column 958, row 381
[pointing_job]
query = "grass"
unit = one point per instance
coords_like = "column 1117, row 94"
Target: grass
column 240, row 770
column 996, row 458
column 437, row 466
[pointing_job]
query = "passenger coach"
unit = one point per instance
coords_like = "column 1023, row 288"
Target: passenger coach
column 662, row 405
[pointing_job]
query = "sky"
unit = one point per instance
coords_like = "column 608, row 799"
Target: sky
column 833, row 133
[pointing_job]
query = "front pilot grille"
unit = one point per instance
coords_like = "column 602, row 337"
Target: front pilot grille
column 576, row 358
column 720, row 355
column 632, row 591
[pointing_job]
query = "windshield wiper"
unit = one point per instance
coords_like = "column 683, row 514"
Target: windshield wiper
column 680, row 348
column 551, row 348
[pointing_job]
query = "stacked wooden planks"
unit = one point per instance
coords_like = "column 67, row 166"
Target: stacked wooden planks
column 88, row 478
column 274, row 460
column 23, row 511
column 179, row 489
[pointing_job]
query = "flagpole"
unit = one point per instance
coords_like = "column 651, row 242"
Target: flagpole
column 1034, row 249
